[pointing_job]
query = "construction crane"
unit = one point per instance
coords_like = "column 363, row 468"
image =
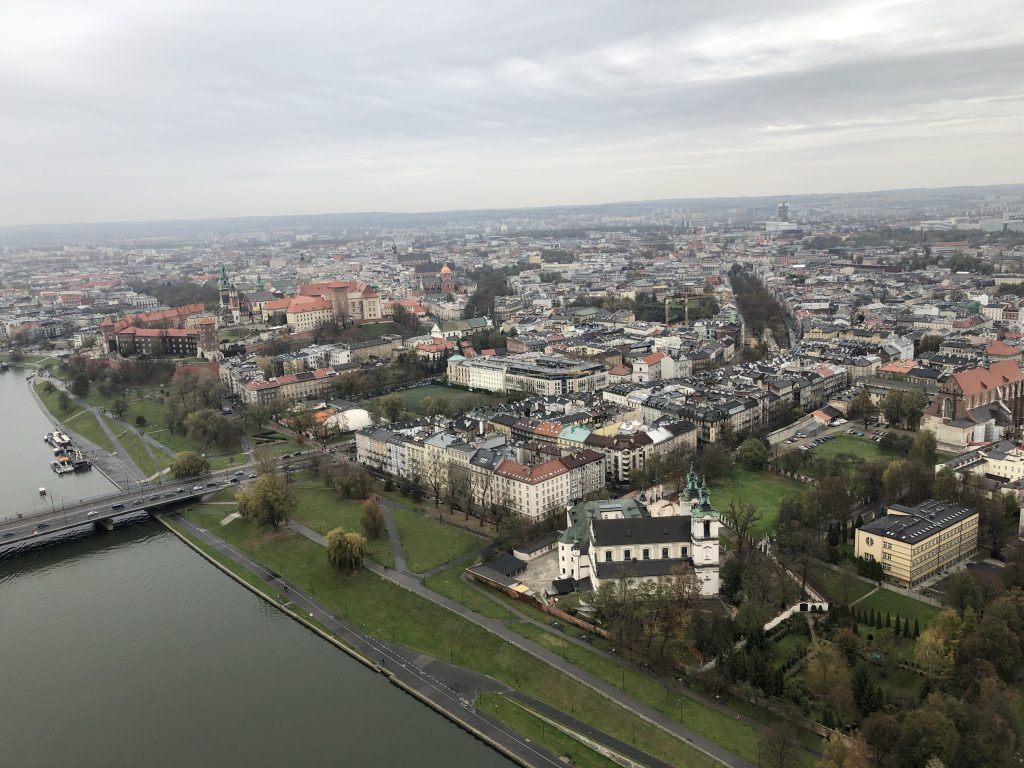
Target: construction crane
column 685, row 303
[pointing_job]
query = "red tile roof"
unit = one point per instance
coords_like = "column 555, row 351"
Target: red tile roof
column 977, row 380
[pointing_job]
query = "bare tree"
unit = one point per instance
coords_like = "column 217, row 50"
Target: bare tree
column 434, row 473
column 742, row 517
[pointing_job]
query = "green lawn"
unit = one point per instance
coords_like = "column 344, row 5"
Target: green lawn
column 370, row 331
column 133, row 444
column 274, row 443
column 322, row 510
column 88, row 426
column 765, row 490
column 830, row 584
column 428, row 542
column 449, row 584
column 887, row 601
column 52, row 402
column 391, row 613
column 522, row 721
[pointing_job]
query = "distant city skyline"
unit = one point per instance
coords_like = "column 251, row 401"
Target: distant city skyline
column 178, row 109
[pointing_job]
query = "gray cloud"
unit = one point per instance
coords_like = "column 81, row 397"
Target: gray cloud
column 172, row 108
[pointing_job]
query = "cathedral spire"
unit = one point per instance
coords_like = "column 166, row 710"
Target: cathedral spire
column 223, row 284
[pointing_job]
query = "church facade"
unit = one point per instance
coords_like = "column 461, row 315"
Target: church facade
column 636, row 541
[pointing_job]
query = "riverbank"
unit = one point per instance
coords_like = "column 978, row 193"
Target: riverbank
column 397, row 607
column 400, row 671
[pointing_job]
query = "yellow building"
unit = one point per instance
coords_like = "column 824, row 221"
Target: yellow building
column 914, row 544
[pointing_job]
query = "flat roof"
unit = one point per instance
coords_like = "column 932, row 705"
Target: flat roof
column 916, row 524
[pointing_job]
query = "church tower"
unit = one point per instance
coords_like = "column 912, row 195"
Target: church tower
column 704, row 524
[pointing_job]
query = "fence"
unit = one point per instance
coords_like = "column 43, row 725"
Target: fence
column 535, row 602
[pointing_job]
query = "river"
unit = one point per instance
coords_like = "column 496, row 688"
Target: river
column 127, row 648
column 25, row 458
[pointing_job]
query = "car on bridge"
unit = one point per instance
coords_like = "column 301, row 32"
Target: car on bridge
column 117, row 506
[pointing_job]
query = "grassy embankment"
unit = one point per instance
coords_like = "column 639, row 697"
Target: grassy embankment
column 387, row 611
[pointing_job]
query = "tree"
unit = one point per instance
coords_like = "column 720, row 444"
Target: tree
column 391, row 407
column 931, row 654
column 80, row 385
column 140, row 421
column 752, row 454
column 892, row 407
column 946, row 486
column 926, row 733
column 189, row 464
column 345, row 549
column 861, row 407
column 929, row 343
column 924, row 448
column 843, row 753
column 715, row 461
column 742, row 517
column 372, row 519
column 963, row 593
column 780, row 745
column 882, row 733
column 63, row 401
column 269, row 501
column 912, row 408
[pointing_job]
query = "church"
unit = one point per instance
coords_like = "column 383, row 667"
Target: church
column 234, row 304
column 643, row 539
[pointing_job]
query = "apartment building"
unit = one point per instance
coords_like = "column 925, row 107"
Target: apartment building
column 914, row 544
column 528, row 372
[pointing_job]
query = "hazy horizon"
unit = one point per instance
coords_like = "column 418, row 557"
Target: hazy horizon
column 179, row 109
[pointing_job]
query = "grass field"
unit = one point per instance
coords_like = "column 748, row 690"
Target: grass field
column 887, row 601
column 449, row 584
column 370, row 331
column 830, row 584
column 322, row 510
column 428, row 543
column 133, row 444
column 763, row 489
column 391, row 613
column 52, row 402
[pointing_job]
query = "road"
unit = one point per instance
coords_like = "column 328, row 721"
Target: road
column 115, row 505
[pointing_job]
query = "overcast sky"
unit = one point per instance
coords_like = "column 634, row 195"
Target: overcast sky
column 121, row 109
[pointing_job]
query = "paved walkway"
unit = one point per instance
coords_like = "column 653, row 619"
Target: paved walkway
column 413, row 584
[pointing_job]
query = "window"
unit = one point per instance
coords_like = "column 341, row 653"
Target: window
column 886, row 556
column 886, row 545
column 627, row 554
column 607, row 555
column 664, row 553
column 647, row 554
column 682, row 552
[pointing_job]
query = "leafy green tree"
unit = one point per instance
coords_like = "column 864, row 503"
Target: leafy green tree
column 861, row 407
column 924, row 448
column 752, row 454
column 892, row 407
column 926, row 733
column 63, row 401
column 189, row 464
column 140, row 421
column 345, row 549
column 912, row 408
column 715, row 461
column 268, row 501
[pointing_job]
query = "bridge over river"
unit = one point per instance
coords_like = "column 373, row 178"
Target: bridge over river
column 102, row 511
